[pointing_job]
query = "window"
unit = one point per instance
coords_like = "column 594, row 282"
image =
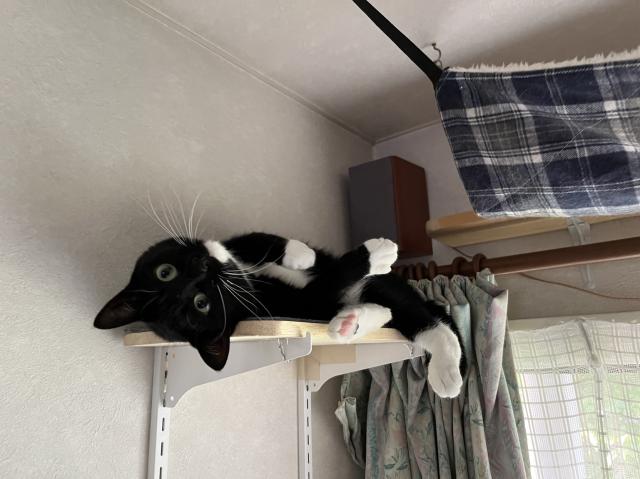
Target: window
column 580, row 391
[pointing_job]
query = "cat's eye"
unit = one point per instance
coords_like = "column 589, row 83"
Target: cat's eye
column 201, row 303
column 166, row 272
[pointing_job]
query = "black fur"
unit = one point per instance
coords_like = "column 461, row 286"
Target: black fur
column 234, row 294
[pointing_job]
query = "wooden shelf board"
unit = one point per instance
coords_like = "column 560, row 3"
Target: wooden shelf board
column 468, row 228
column 266, row 329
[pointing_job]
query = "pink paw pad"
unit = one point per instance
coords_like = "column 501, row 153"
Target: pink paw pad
column 349, row 325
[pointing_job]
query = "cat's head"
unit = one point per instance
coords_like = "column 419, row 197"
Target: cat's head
column 179, row 290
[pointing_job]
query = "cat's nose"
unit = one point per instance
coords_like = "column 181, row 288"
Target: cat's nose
column 199, row 265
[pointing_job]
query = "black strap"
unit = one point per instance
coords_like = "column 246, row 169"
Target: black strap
column 409, row 48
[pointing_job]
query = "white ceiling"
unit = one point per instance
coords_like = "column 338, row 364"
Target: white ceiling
column 327, row 54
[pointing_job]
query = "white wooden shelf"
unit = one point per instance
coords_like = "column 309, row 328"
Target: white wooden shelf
column 259, row 330
column 257, row 344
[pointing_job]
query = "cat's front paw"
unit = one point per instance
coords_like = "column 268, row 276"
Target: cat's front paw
column 382, row 254
column 298, row 255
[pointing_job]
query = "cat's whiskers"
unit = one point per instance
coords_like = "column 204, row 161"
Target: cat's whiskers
column 193, row 232
column 248, row 280
column 154, row 215
column 258, row 263
column 172, row 219
column 198, row 224
column 182, row 212
column 248, row 272
column 255, row 299
column 242, row 299
column 231, row 281
column 240, row 293
column 234, row 287
column 249, row 269
column 254, row 280
column 224, row 308
column 235, row 295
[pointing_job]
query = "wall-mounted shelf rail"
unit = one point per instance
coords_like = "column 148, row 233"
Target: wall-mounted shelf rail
column 257, row 344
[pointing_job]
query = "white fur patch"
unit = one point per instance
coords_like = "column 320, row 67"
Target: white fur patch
column 355, row 322
column 382, row 254
column 633, row 54
column 444, row 368
column 298, row 255
column 296, row 278
column 218, row 251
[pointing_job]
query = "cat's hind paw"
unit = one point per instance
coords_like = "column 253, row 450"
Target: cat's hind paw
column 444, row 377
column 344, row 326
column 357, row 321
column 382, row 254
column 444, row 366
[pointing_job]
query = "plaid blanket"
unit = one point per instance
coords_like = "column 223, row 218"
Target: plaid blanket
column 551, row 142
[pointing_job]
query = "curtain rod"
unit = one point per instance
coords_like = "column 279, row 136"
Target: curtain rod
column 520, row 263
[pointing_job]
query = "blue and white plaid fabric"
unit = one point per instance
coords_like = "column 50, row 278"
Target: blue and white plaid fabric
column 552, row 142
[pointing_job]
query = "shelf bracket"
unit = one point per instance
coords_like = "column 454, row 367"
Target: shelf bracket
column 305, row 447
column 244, row 356
column 326, row 362
column 160, row 416
column 580, row 232
column 177, row 369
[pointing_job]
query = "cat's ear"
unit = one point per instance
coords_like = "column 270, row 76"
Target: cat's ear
column 214, row 352
column 121, row 310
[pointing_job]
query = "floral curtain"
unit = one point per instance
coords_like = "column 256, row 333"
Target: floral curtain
column 396, row 427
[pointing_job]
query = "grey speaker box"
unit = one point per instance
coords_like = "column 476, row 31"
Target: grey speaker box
column 388, row 198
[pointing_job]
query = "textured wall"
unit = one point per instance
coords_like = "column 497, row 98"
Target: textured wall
column 99, row 103
column 527, row 299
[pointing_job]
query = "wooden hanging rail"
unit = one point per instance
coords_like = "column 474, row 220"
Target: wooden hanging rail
column 468, row 228
column 520, row 263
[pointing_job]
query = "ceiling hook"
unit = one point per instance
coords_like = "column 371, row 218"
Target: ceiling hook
column 438, row 60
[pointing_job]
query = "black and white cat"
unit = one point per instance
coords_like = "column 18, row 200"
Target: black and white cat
column 198, row 291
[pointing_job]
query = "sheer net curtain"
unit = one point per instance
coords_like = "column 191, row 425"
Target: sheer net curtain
column 580, row 390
